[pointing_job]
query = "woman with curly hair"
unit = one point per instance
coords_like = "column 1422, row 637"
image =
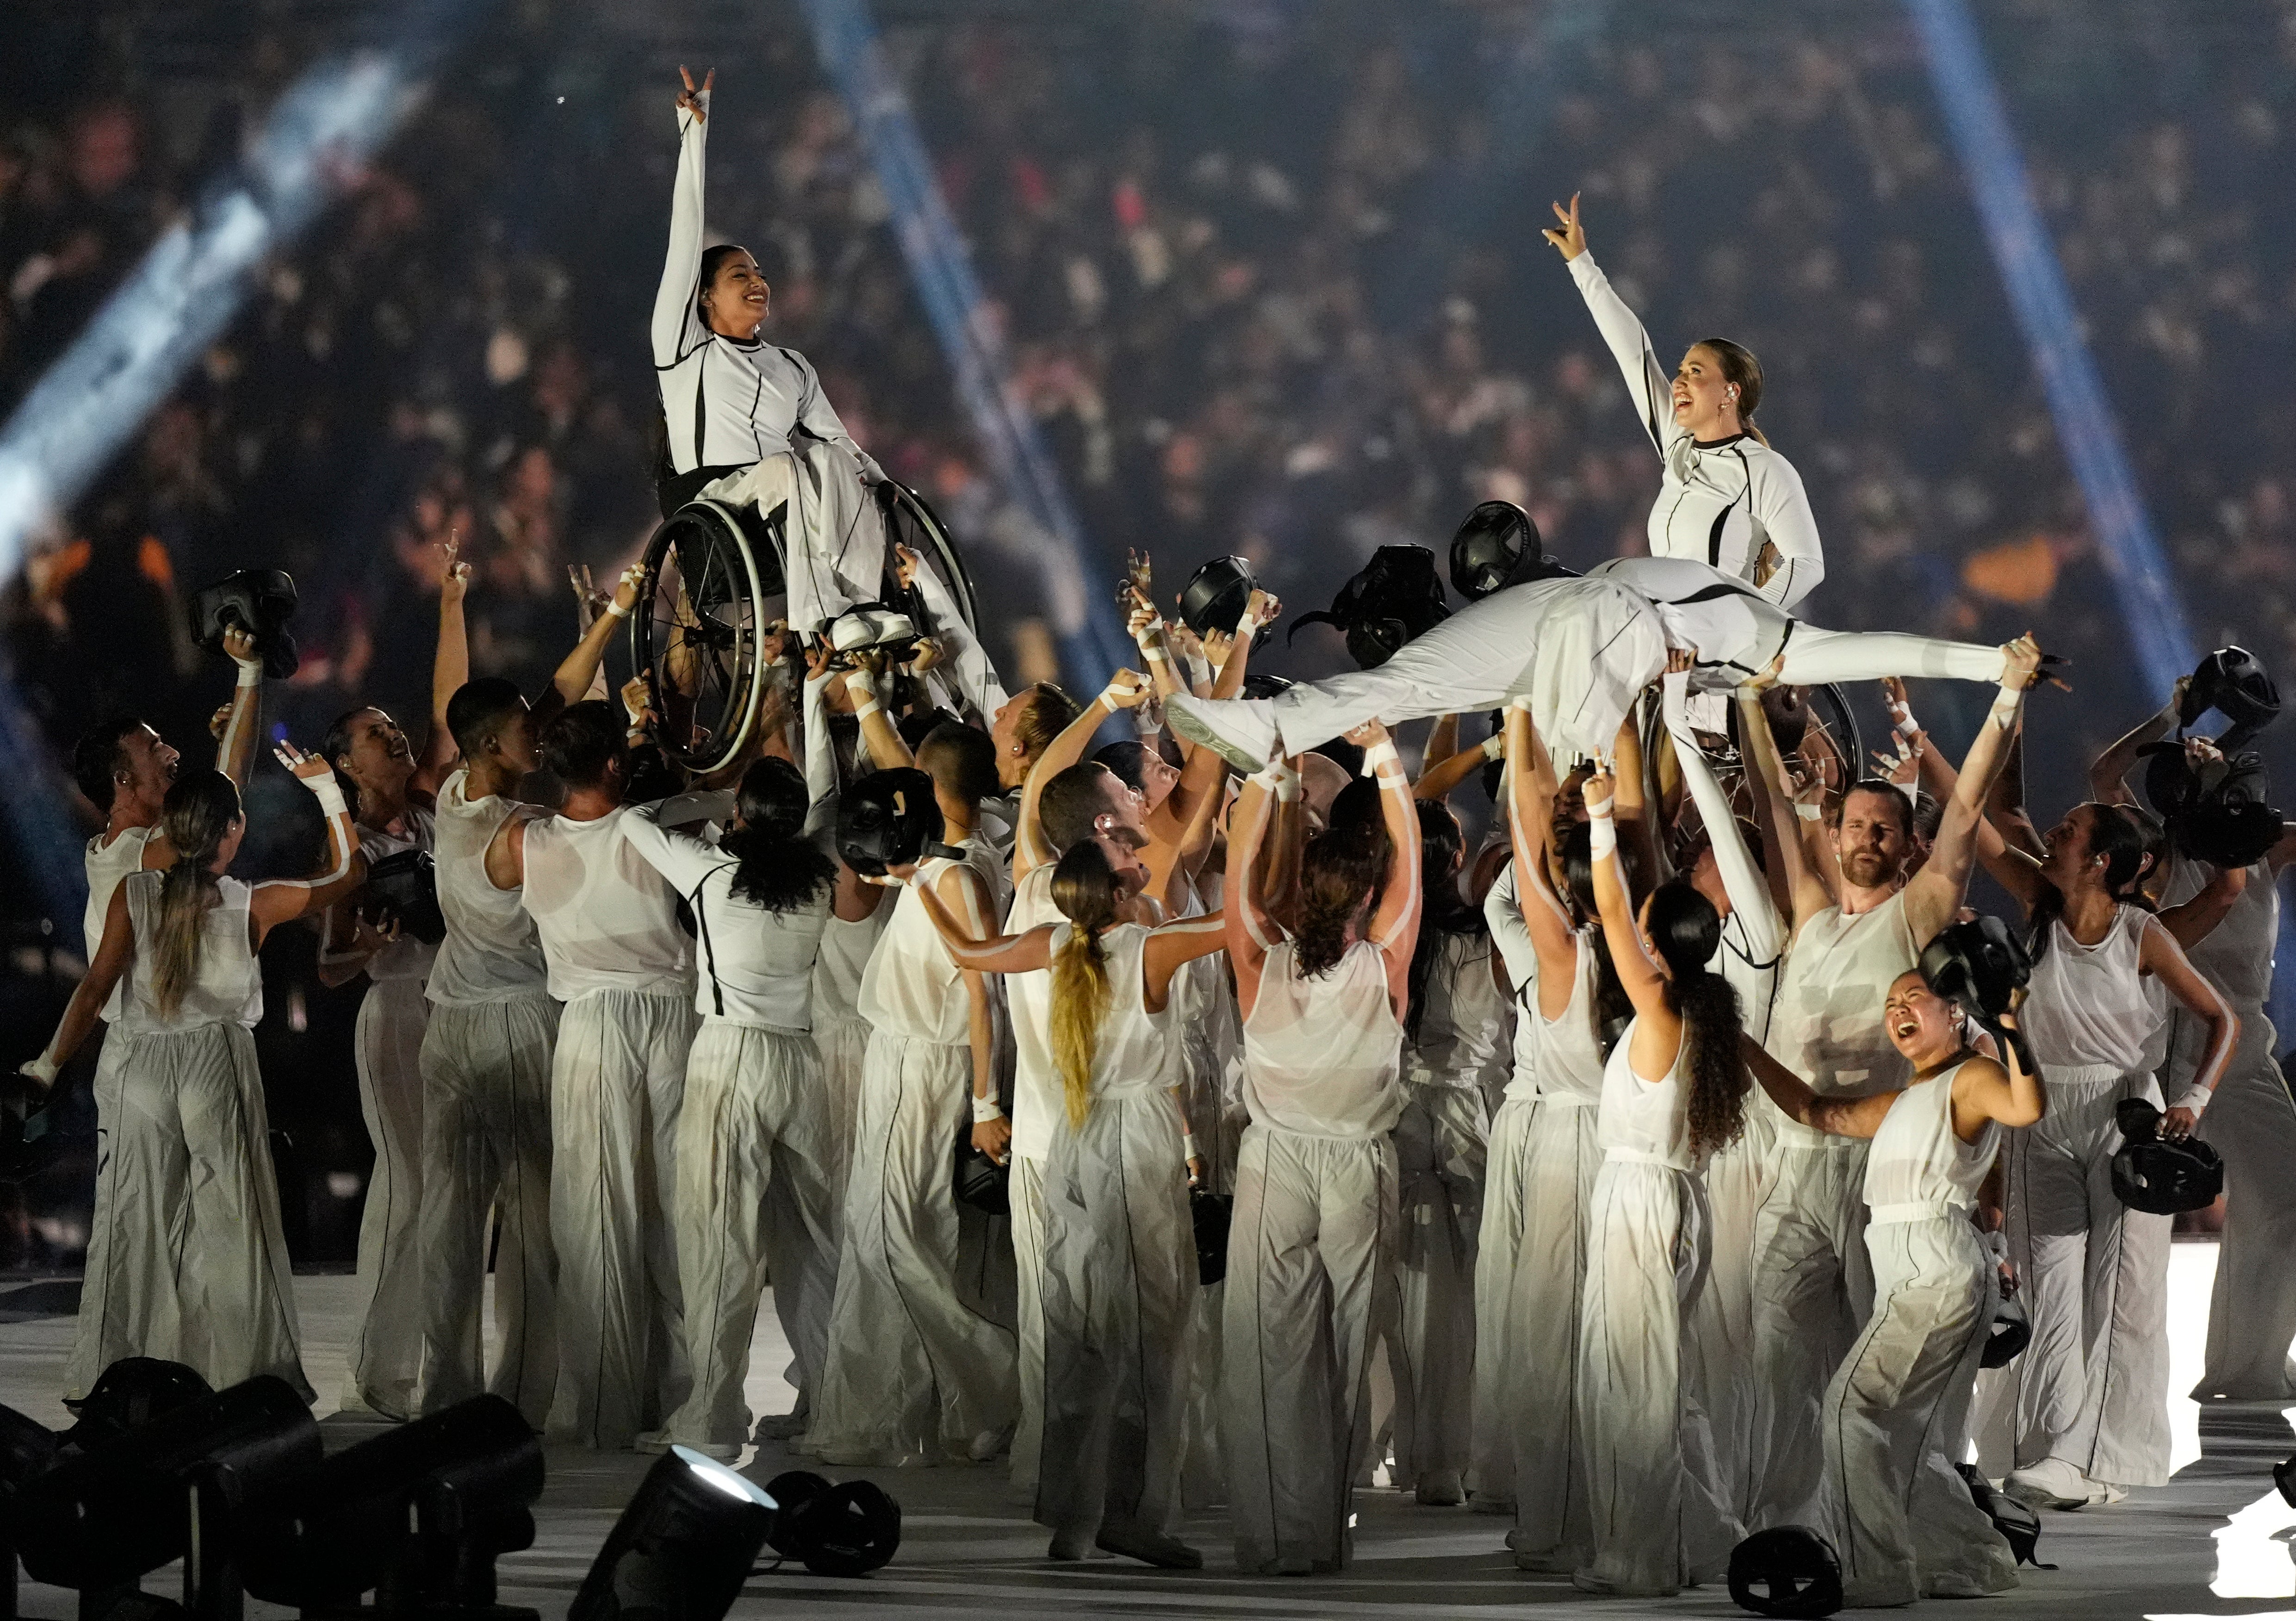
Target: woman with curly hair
column 1310, row 1248
column 1674, row 1090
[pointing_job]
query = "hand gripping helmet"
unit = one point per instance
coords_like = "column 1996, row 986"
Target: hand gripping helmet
column 1977, row 964
column 2231, row 682
column 1496, row 547
column 1786, row 1570
column 1389, row 599
column 260, row 601
column 2152, row 1173
column 887, row 819
column 2010, row 1333
column 1216, row 596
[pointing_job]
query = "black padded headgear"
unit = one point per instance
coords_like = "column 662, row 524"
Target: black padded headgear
column 887, row 819
column 2010, row 1333
column 2235, row 685
column 1786, row 1570
column 257, row 599
column 2152, row 1173
column 1384, row 604
column 1216, row 594
column 1496, row 547
column 1977, row 964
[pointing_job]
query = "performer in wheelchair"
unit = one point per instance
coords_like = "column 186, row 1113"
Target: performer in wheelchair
column 746, row 421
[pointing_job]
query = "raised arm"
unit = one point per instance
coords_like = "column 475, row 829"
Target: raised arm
column 1172, row 946
column 2108, row 774
column 683, row 858
column 1126, row 690
column 1394, row 926
column 1742, row 880
column 1935, row 893
column 450, row 668
column 2161, row 957
column 677, row 325
column 1806, row 890
column 2004, row 1091
column 1442, row 773
column 1250, row 931
column 2011, row 868
column 243, row 720
column 281, row 900
column 1650, row 385
column 1638, row 974
column 968, row 662
column 1530, row 823
column 1258, row 610
column 578, row 670
column 1002, row 953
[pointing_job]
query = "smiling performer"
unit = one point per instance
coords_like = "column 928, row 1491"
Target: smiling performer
column 747, row 420
column 1904, row 1523
column 1725, row 497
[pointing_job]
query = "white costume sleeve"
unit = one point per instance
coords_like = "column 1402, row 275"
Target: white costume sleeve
column 1783, row 516
column 971, row 675
column 675, row 320
column 684, row 859
column 1742, row 880
column 820, row 762
column 1650, row 384
column 1503, row 910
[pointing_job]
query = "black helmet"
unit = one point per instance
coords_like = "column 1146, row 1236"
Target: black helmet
column 1216, row 594
column 1208, row 1216
column 2220, row 813
column 1977, row 964
column 260, row 601
column 1384, row 604
column 1496, row 547
column 887, row 819
column 2010, row 1333
column 2150, row 1172
column 1786, row 1570
column 130, row 1394
column 2231, row 682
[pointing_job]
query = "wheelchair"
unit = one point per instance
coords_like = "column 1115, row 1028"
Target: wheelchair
column 715, row 577
column 1815, row 723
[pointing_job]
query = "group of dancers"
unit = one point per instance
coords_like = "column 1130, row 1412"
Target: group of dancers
column 1621, row 1177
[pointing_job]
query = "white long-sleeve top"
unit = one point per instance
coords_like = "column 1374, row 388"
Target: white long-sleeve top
column 1754, row 936
column 727, row 403
column 1717, row 503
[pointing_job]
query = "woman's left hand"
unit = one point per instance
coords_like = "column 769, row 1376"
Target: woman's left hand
column 2177, row 1124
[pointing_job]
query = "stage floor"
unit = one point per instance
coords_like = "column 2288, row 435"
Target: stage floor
column 2211, row 1543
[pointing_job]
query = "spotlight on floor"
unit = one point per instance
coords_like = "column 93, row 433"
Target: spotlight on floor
column 417, row 1516
column 168, row 1490
column 683, row 1548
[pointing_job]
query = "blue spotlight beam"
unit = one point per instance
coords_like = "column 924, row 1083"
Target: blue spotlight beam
column 2044, row 307
column 1091, row 643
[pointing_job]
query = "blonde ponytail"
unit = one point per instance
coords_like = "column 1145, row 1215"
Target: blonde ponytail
column 1084, row 890
column 197, row 816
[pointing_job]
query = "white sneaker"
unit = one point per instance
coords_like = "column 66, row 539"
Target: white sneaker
column 2054, row 1483
column 859, row 627
column 1240, row 730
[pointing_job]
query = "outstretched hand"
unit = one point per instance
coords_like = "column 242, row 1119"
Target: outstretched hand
column 693, row 101
column 309, row 769
column 1569, row 238
column 454, row 576
column 1599, row 789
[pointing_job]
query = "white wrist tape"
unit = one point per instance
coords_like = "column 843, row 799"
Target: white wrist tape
column 1156, row 655
column 985, row 1110
column 1909, row 727
column 1520, row 700
column 2196, row 1098
column 1996, row 1245
column 1602, row 836
column 1247, row 627
column 2006, row 705
column 250, row 672
column 1809, row 812
column 1379, row 754
column 617, row 610
column 863, row 685
column 1280, row 779
column 44, row 1070
column 1494, row 746
column 330, row 796
column 1188, row 1146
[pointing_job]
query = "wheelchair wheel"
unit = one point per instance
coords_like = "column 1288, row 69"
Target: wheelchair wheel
column 693, row 637
column 910, row 522
column 1814, row 721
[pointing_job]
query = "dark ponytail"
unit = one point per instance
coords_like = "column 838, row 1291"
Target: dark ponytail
column 1687, row 931
column 2129, row 848
column 1614, row 1010
column 780, row 869
column 1342, row 868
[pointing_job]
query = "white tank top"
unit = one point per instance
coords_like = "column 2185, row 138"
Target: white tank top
column 2236, row 956
column 1827, row 1028
column 913, row 987
column 1644, row 1119
column 491, row 952
column 1322, row 1055
column 1037, row 1099
column 1136, row 1050
column 406, row 958
column 1570, row 1067
column 844, row 958
column 1503, row 910
column 1916, row 1162
column 229, row 987
column 1463, row 1029
column 1754, row 977
column 107, row 865
column 2089, row 1012
column 608, row 921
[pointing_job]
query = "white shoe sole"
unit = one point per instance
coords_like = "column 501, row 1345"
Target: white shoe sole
column 1183, row 715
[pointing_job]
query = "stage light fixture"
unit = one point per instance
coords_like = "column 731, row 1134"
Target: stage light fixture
column 168, row 1490
column 28, row 1451
column 416, row 1516
column 681, row 1549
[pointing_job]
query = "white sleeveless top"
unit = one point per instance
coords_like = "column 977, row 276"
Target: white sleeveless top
column 607, row 920
column 228, row 989
column 107, row 865
column 1322, row 1055
column 754, row 966
column 2236, row 956
column 407, row 958
column 1916, row 1167
column 1037, row 1098
column 1570, row 1067
column 2089, row 1012
column 1646, row 1121
column 1463, row 1029
column 1827, row 1026
column 491, row 951
column 1503, row 910
column 913, row 987
column 1136, row 1047
column 844, row 958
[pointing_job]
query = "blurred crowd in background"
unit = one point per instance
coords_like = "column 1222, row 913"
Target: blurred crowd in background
column 1270, row 275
